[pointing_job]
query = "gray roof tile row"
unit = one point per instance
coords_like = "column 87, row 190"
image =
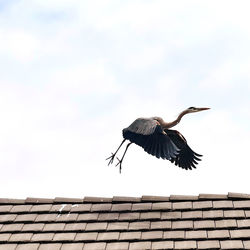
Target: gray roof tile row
column 205, row 221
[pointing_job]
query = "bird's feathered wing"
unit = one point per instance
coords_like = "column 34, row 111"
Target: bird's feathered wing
column 148, row 134
column 186, row 157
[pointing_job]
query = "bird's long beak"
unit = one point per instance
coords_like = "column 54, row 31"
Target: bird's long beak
column 201, row 109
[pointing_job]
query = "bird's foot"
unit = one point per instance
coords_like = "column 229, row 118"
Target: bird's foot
column 111, row 159
column 120, row 164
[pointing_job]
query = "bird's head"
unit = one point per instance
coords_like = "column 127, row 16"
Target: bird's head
column 194, row 109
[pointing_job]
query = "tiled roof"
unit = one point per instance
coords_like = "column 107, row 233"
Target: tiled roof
column 150, row 222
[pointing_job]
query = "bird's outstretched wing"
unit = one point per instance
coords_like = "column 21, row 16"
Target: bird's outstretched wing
column 186, row 158
column 148, row 134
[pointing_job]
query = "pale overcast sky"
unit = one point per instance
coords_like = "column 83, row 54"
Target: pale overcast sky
column 74, row 73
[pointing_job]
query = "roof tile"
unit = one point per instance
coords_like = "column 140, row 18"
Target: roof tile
column 160, row 225
column 67, row 200
column 150, row 215
column 4, row 237
column 117, row 246
column 191, row 215
column 20, row 208
column 41, row 208
column 145, row 245
column 72, row 246
column 204, row 224
column 11, row 201
column 95, row 246
column 101, row 207
column 126, row 199
column 117, row 226
column 75, row 226
column 212, row 197
column 238, row 196
column 50, row 246
column 161, row 206
column 86, row 236
column 208, row 244
column 183, row 198
column 54, row 227
column 26, row 218
column 108, row 216
column 231, row 244
column 130, row 236
column 108, row 236
column 241, row 204
column 34, row 227
column 182, row 205
column 187, row 224
column 67, row 217
column 32, row 246
column 64, row 237
column 191, row 244
column 240, row 233
column 243, row 223
column 22, row 237
column 234, row 214
column 16, row 227
column 218, row 234
column 223, row 204
column 7, row 217
column 162, row 245
column 88, row 217
column 154, row 198
column 129, row 216
column 41, row 237
column 80, row 208
column 121, row 207
column 225, row 224
column 196, row 234
column 8, row 246
column 140, row 225
column 61, row 208
column 96, row 199
column 152, row 235
column 174, row 235
column 202, row 204
column 141, row 206
column 213, row 214
column 46, row 217
column 96, row 226
column 170, row 215
column 38, row 200
column 5, row 208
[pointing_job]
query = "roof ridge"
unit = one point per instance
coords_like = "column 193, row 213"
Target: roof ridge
column 125, row 199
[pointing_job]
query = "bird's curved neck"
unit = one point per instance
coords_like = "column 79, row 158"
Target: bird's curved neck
column 167, row 125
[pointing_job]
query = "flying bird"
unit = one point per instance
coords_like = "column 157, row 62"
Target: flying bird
column 156, row 138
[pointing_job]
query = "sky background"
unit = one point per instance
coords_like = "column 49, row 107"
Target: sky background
column 75, row 73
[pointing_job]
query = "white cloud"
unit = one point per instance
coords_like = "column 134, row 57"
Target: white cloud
column 18, row 45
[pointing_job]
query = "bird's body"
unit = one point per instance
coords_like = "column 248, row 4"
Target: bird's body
column 156, row 138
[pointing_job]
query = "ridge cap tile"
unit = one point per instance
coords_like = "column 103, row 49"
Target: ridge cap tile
column 7, row 201
column 213, row 197
column 183, row 198
column 126, row 199
column 38, row 201
column 238, row 196
column 154, row 198
column 67, row 200
column 92, row 199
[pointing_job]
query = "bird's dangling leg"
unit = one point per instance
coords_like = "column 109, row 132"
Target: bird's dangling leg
column 120, row 161
column 113, row 155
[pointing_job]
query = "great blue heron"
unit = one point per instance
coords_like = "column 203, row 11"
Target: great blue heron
column 155, row 137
